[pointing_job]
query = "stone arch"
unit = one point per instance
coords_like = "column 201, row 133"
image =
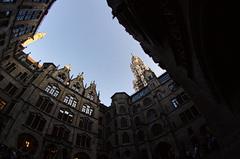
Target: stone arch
column 27, row 143
column 163, row 150
column 81, row 155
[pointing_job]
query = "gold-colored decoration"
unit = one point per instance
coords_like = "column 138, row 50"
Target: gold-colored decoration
column 33, row 39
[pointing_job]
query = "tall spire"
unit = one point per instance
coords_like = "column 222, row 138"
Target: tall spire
column 141, row 72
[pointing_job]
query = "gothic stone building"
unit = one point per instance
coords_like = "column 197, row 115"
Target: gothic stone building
column 190, row 40
column 47, row 114
column 19, row 20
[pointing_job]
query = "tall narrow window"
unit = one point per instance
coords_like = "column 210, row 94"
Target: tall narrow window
column 83, row 140
column 53, row 90
column 10, row 67
column 35, row 121
column 65, row 115
column 70, row 100
column 45, row 104
column 61, row 132
column 10, row 89
column 87, row 109
column 85, row 123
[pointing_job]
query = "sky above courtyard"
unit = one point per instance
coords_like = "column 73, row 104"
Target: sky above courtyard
column 82, row 33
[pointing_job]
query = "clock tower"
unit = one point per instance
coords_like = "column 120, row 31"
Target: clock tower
column 142, row 73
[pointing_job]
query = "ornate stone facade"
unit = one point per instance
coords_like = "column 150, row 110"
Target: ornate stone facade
column 46, row 114
column 141, row 72
column 190, row 40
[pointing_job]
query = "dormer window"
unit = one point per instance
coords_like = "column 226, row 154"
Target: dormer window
column 70, row 100
column 87, row 109
column 61, row 77
column 53, row 90
column 76, row 87
column 90, row 96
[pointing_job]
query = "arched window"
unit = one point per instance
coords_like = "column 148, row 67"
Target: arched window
column 137, row 121
column 53, row 90
column 60, row 132
column 87, row 109
column 65, row 115
column 122, row 110
column 35, row 121
column 147, row 102
column 125, row 138
column 85, row 123
column 45, row 104
column 124, row 122
column 70, row 100
column 140, row 136
column 83, row 140
column 151, row 114
column 156, row 129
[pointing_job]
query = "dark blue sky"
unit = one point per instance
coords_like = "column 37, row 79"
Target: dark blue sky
column 82, row 33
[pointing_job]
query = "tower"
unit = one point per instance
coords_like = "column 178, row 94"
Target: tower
column 142, row 73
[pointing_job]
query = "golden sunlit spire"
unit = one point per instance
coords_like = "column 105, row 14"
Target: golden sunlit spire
column 36, row 37
column 142, row 73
